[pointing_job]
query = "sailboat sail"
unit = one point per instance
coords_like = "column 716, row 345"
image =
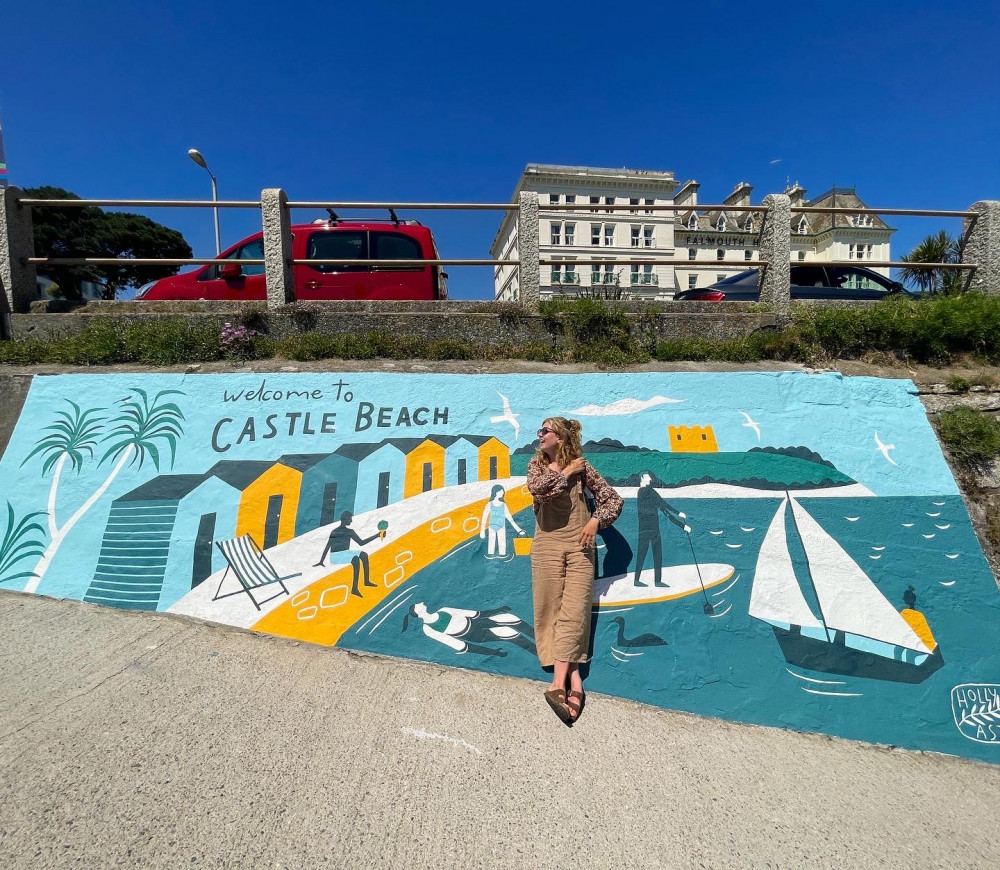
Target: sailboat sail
column 776, row 596
column 849, row 600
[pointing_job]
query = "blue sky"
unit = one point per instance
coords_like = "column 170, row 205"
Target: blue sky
column 445, row 102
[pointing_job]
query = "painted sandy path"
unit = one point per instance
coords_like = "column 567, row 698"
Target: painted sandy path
column 412, row 542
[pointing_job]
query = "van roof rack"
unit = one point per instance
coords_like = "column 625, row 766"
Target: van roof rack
column 335, row 219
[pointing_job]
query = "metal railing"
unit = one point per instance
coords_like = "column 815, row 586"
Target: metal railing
column 18, row 261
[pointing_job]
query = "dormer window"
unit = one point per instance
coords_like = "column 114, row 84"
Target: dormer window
column 693, row 222
column 720, row 225
column 803, row 227
column 748, row 226
column 862, row 220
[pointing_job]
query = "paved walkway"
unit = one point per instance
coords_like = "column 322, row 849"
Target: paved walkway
column 145, row 740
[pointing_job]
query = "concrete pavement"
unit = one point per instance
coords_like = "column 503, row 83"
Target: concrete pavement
column 145, row 740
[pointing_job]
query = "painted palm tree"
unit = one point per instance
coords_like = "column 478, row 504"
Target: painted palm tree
column 940, row 248
column 19, row 542
column 142, row 424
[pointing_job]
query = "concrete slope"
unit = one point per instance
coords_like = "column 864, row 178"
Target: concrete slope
column 148, row 740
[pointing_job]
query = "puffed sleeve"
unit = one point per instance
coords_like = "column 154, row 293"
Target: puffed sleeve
column 544, row 483
column 608, row 504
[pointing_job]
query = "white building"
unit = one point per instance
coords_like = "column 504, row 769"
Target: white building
column 613, row 237
column 722, row 242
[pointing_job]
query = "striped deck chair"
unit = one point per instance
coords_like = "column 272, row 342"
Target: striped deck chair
column 250, row 565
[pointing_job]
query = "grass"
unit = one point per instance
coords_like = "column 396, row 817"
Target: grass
column 972, row 438
column 935, row 330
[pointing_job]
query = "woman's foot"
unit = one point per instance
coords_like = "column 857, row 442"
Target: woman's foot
column 575, row 697
column 556, row 698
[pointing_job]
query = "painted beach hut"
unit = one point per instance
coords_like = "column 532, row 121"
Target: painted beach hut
column 258, row 515
column 461, row 459
column 329, row 483
column 379, row 475
column 158, row 542
column 492, row 457
column 424, row 464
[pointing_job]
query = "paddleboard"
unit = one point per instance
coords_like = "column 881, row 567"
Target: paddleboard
column 620, row 589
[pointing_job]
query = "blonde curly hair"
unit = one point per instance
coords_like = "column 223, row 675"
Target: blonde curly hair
column 570, row 448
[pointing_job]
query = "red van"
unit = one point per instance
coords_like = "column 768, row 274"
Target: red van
column 323, row 240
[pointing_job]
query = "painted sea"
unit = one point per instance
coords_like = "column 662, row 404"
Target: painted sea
column 720, row 661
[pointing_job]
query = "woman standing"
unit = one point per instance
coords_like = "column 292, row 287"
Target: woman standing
column 494, row 521
column 563, row 556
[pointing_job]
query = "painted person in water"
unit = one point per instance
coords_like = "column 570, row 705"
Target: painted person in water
column 494, row 521
column 563, row 556
column 650, row 505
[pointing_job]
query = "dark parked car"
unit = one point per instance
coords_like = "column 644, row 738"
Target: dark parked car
column 812, row 281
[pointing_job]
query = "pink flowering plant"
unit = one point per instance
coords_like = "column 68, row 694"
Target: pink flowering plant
column 237, row 341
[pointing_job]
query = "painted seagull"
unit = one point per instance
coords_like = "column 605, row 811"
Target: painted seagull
column 885, row 448
column 507, row 416
column 751, row 424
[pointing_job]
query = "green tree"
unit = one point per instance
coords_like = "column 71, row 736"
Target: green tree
column 88, row 231
column 939, row 248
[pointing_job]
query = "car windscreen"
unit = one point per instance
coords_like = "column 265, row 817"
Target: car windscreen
column 738, row 278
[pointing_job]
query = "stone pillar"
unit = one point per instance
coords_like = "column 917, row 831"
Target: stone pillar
column 277, row 247
column 776, row 249
column 981, row 245
column 527, row 247
column 17, row 277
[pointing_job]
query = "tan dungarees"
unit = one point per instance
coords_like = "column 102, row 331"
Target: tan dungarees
column 562, row 577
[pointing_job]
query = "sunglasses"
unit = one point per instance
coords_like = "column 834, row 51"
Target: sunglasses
column 544, row 431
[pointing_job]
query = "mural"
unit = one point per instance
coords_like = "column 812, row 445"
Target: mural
column 793, row 550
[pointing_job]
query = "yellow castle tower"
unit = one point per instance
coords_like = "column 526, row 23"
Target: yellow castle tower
column 692, row 439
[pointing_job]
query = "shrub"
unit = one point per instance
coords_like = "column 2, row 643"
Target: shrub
column 972, row 438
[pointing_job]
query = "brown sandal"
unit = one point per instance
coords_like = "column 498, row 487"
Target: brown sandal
column 576, row 709
column 556, row 699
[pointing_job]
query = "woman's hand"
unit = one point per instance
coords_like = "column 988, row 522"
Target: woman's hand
column 575, row 467
column 589, row 533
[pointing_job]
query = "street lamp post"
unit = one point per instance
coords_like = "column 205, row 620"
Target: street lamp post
column 195, row 155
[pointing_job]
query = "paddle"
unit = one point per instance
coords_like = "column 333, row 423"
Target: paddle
column 708, row 604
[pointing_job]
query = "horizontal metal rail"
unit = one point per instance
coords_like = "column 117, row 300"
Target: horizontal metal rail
column 886, row 264
column 143, row 203
column 110, row 261
column 640, row 209
column 439, row 206
column 915, row 212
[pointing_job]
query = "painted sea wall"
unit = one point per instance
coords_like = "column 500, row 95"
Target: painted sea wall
column 793, row 550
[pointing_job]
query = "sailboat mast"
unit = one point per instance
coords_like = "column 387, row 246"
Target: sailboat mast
column 812, row 585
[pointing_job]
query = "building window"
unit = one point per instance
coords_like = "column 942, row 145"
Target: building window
column 570, row 234
column 609, row 200
column 721, row 277
column 553, row 199
column 803, row 227
column 802, row 255
column 633, row 201
column 609, row 235
column 748, row 255
column 595, row 274
column 554, row 274
column 595, row 234
column 642, row 274
column 692, row 254
column 748, row 226
column 647, row 237
column 649, row 202
column 862, row 220
column 570, row 198
column 556, row 233
column 635, row 236
column 570, row 276
column 595, row 200
column 692, row 282
column 693, row 222
column 721, row 223
column 720, row 254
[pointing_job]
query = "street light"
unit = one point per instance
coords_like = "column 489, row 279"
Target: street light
column 195, row 155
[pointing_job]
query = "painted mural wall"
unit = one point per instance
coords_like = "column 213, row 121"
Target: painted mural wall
column 826, row 576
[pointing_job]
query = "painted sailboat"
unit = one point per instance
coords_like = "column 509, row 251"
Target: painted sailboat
column 857, row 631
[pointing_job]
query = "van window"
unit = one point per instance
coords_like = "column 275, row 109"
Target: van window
column 394, row 246
column 337, row 245
column 252, row 251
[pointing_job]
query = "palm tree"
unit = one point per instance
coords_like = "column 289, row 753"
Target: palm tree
column 939, row 248
column 18, row 543
column 141, row 424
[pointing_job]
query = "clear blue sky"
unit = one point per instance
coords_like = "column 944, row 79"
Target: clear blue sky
column 448, row 101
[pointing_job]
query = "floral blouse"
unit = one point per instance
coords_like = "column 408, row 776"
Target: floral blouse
column 545, row 484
